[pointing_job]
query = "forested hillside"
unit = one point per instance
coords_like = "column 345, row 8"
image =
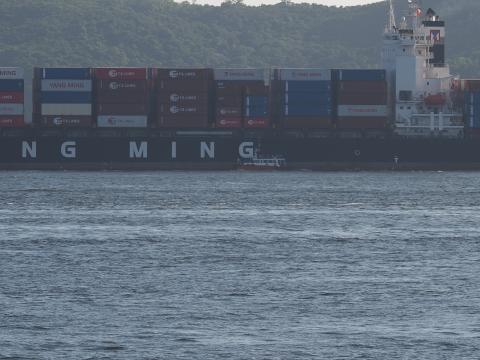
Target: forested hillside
column 165, row 33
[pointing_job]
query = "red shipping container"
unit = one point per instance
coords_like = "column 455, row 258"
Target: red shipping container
column 122, row 109
column 362, row 122
column 66, row 121
column 12, row 121
column 228, row 122
column 130, row 86
column 183, row 85
column 469, row 84
column 257, row 90
column 181, row 97
column 241, row 88
column 121, row 73
column 229, row 101
column 11, row 98
column 121, row 97
column 229, row 88
column 182, row 121
column 362, row 98
column 195, row 109
column 306, row 122
column 362, row 86
column 229, row 111
column 176, row 74
column 256, row 122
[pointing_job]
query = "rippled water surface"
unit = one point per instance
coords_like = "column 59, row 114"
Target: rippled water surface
column 218, row 265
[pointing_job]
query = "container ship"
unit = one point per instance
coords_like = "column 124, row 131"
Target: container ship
column 411, row 114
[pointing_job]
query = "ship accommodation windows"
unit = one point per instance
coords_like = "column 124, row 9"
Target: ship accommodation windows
column 405, row 95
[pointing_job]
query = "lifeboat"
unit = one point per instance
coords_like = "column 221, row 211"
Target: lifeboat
column 436, row 99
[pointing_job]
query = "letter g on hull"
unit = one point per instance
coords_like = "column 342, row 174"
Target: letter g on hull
column 246, row 150
column 69, row 149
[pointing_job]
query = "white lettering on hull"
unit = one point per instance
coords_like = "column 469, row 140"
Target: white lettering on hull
column 29, row 150
column 69, row 149
column 245, row 150
column 174, row 149
column 137, row 152
column 207, row 150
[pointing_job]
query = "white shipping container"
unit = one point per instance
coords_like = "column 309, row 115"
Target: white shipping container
column 241, row 74
column 11, row 73
column 362, row 110
column 67, row 109
column 67, row 85
column 11, row 109
column 134, row 121
column 305, row 74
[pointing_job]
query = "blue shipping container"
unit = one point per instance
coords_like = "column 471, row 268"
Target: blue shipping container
column 256, row 101
column 308, row 86
column 66, row 73
column 67, row 97
column 473, row 121
column 11, row 85
column 309, row 105
column 256, row 111
column 472, row 109
column 361, row 75
column 308, row 98
column 307, row 111
column 468, row 102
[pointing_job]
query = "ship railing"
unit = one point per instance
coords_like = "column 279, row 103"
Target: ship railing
column 432, row 121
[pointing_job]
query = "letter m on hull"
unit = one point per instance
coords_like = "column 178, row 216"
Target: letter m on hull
column 138, row 150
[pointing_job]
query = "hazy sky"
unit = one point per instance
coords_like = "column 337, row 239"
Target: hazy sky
column 325, row 2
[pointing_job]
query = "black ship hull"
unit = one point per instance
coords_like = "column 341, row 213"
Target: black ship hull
column 209, row 150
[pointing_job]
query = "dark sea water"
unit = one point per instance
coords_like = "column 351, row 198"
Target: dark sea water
column 236, row 265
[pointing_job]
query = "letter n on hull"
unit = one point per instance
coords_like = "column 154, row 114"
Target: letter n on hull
column 207, row 149
column 29, row 150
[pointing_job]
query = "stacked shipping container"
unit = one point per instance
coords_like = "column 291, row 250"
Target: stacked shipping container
column 200, row 98
column 242, row 98
column 11, row 97
column 472, row 109
column 63, row 97
column 361, row 99
column 122, row 97
column 304, row 97
column 183, row 97
column 470, row 90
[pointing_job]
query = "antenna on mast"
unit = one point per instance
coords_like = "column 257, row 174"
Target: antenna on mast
column 391, row 25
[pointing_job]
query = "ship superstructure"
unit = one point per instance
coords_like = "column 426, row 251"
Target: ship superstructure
column 420, row 83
